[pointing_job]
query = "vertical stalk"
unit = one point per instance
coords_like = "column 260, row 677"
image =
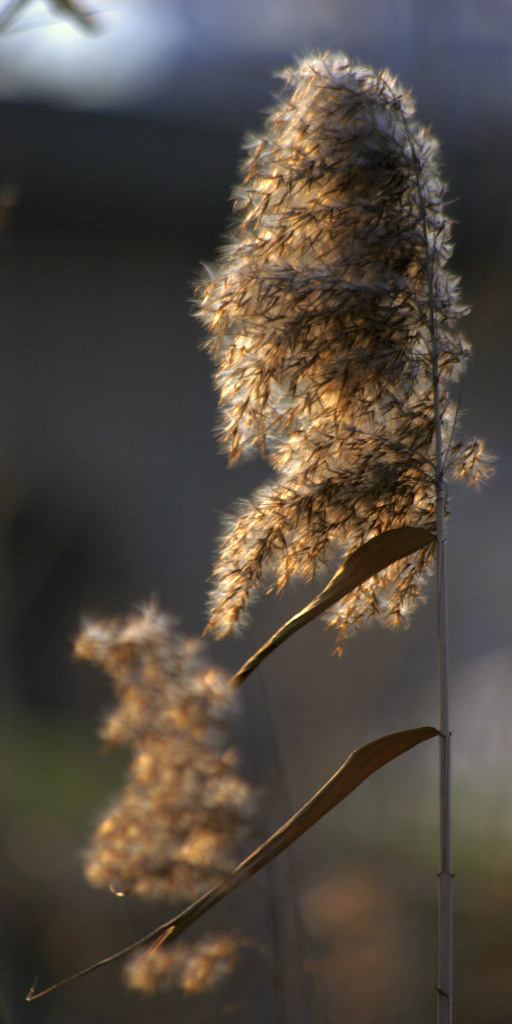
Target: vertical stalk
column 445, row 876
column 445, row 885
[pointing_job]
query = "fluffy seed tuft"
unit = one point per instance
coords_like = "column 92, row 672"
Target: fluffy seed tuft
column 174, row 830
column 323, row 314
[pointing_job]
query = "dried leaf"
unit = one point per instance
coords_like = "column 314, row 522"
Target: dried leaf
column 360, row 764
column 69, row 7
column 369, row 559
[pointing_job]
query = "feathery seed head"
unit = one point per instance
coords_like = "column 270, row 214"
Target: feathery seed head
column 193, row 967
column 326, row 313
column 174, row 830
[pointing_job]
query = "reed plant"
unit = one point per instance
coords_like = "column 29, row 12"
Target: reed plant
column 333, row 322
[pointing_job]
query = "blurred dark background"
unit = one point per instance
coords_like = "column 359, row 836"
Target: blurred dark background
column 123, row 146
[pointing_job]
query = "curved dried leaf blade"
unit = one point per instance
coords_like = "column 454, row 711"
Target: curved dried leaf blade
column 372, row 557
column 360, row 764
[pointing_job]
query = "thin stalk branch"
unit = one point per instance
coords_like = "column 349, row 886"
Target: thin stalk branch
column 445, row 884
column 444, row 986
column 445, row 892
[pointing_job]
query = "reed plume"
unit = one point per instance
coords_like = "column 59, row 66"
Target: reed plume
column 174, row 831
column 321, row 313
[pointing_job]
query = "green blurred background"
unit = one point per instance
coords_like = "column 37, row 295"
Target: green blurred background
column 124, row 145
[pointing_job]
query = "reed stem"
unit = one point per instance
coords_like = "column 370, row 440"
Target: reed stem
column 445, row 876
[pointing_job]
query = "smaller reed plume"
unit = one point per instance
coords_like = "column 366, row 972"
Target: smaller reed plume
column 193, row 967
column 174, row 830
column 331, row 314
